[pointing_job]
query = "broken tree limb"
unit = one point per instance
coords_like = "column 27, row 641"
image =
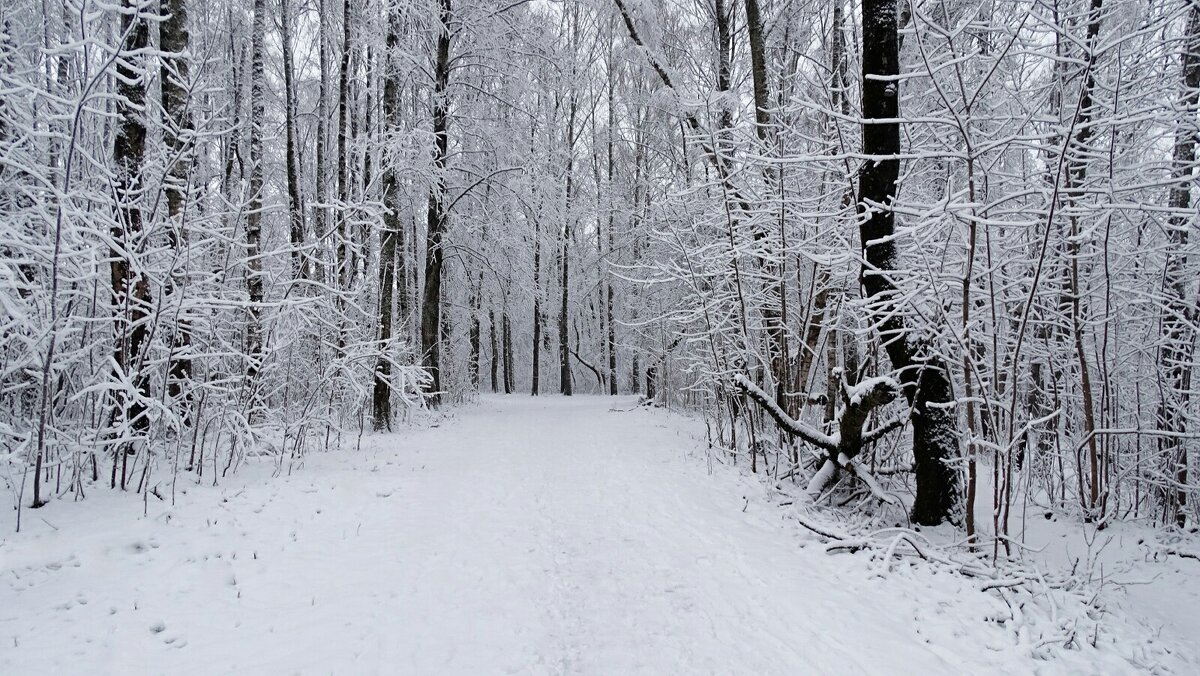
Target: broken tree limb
column 888, row 427
column 842, row 449
column 864, row 475
column 785, row 422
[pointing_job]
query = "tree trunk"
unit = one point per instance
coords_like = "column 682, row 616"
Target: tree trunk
column 924, row 377
column 391, row 238
column 254, row 274
column 295, row 197
column 773, row 311
column 173, row 76
column 473, row 335
column 535, row 384
column 1077, row 170
column 1176, row 355
column 345, row 256
column 495, row 353
column 612, row 249
column 437, row 218
column 510, row 375
column 382, row 392
column 322, row 136
column 130, row 288
column 724, row 64
column 564, row 344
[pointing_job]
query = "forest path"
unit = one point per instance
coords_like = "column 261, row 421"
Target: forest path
column 521, row 535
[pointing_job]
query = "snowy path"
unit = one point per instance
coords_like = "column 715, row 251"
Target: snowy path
column 545, row 536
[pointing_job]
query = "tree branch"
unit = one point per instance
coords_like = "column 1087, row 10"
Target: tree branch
column 785, row 421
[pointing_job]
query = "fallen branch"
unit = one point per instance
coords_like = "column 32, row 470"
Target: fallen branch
column 823, row 532
column 891, row 550
column 593, row 369
column 1183, row 554
column 1002, row 584
column 859, row 470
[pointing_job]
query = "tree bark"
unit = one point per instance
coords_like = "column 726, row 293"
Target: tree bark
column 437, row 218
column 295, row 197
column 496, row 356
column 173, row 76
column 566, row 386
column 1176, row 355
column 473, row 335
column 254, row 274
column 773, row 310
column 131, row 300
column 344, row 249
column 535, row 377
column 322, row 134
column 1076, row 178
column 612, row 238
column 391, row 238
column 382, row 392
column 510, row 376
column 924, row 378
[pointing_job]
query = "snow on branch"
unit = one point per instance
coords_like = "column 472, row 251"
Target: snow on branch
column 791, row 425
column 859, row 400
column 859, row 470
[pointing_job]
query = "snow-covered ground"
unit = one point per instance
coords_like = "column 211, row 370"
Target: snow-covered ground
column 520, row 535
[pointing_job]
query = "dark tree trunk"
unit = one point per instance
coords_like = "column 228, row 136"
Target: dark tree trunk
column 564, row 345
column 173, row 41
column 436, row 222
column 724, row 61
column 344, row 249
column 130, row 288
column 391, row 241
column 1075, row 180
column 295, row 197
column 382, row 392
column 322, row 122
column 773, row 310
column 612, row 238
column 535, row 378
column 473, row 337
column 1176, row 355
column 254, row 274
column 370, row 141
column 924, row 377
column 510, row 376
column 564, row 250
column 496, row 356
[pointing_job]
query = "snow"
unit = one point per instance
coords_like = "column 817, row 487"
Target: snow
column 856, row 392
column 521, row 535
column 1125, row 560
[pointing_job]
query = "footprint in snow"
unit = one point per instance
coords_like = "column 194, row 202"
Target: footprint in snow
column 140, row 547
column 158, row 629
column 70, row 561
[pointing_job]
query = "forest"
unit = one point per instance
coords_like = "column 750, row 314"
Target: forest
column 908, row 267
